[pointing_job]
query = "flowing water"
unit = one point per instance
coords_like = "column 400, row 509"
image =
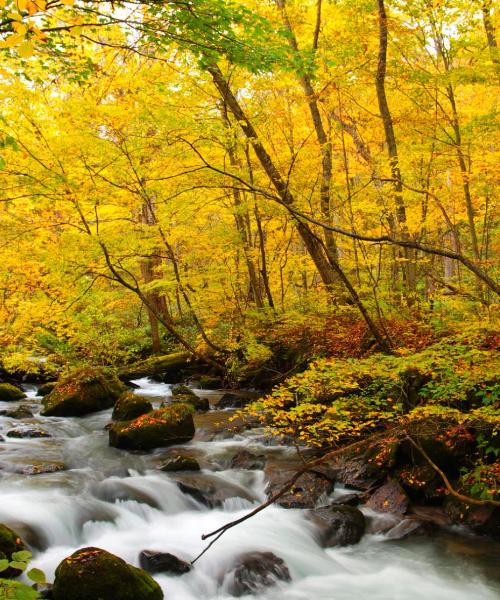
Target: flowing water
column 119, row 501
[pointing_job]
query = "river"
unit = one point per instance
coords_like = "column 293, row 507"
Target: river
column 121, row 502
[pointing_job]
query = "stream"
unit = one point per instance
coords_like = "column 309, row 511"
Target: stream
column 121, row 502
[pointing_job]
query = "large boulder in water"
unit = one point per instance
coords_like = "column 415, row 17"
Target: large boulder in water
column 390, row 497
column 256, row 571
column 199, row 404
column 129, row 406
column 83, row 392
column 10, row 542
column 163, row 427
column 339, row 525
column 9, row 392
column 94, row 574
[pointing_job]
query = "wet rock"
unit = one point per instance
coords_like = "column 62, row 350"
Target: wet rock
column 31, row 432
column 32, row 536
column 236, row 400
column 116, row 490
column 390, row 497
column 159, row 428
column 10, row 542
column 94, row 574
column 21, row 412
column 129, row 406
column 46, row 388
column 83, row 392
column 45, row 590
column 209, row 382
column 210, row 490
column 248, row 460
column 407, row 527
column 183, row 390
column 163, row 562
column 9, row 393
column 42, row 467
column 180, row 463
column 256, row 571
column 434, row 515
column 338, row 525
column 363, row 471
column 307, row 491
column 199, row 404
column 348, row 500
column 483, row 520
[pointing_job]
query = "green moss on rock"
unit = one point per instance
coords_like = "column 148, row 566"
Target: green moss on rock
column 163, row 427
column 183, row 390
column 129, row 406
column 83, row 392
column 9, row 392
column 199, row 404
column 95, row 574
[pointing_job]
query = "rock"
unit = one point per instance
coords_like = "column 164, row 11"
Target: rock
column 409, row 526
column 10, row 542
column 373, row 465
column 163, row 427
column 434, row 515
column 339, row 525
column 129, row 406
column 46, row 388
column 9, row 393
column 390, row 497
column 45, row 590
column 482, row 520
column 210, row 490
column 163, row 562
column 209, row 382
column 180, row 463
column 183, row 390
column 231, row 400
column 42, row 467
column 28, row 433
column 348, row 500
column 83, row 392
column 199, row 404
column 94, row 574
column 21, row 412
column 306, row 492
column 248, row 460
column 116, row 489
column 256, row 571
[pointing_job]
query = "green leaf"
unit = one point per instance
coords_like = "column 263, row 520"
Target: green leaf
column 17, row 564
column 22, row 555
column 4, row 564
column 37, row 575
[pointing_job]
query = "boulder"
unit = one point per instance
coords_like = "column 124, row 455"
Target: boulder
column 362, row 471
column 46, row 388
column 407, row 527
column 306, row 492
column 338, row 525
column 210, row 490
column 21, row 412
column 199, row 404
column 10, row 542
column 180, row 463
column 163, row 562
column 83, row 392
column 28, row 432
column 233, row 400
column 255, row 571
column 94, row 574
column 9, row 392
column 159, row 428
column 248, row 460
column 390, row 497
column 183, row 390
column 39, row 468
column 129, row 406
column 209, row 382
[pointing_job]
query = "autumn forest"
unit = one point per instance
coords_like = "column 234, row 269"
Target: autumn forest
column 289, row 207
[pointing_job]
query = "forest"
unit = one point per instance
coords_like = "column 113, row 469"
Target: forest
column 249, row 292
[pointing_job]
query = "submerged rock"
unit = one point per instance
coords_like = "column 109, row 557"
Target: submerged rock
column 210, row 490
column 39, row 468
column 339, row 525
column 129, row 406
column 9, row 393
column 83, row 392
column 10, row 542
column 256, row 571
column 163, row 427
column 248, row 460
column 163, row 562
column 180, row 463
column 94, row 574
column 28, row 433
column 390, row 497
column 21, row 412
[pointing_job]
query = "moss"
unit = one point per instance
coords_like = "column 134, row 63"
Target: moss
column 10, row 392
column 82, row 392
column 199, row 404
column 183, row 390
column 130, row 406
column 94, row 574
column 10, row 542
column 158, row 428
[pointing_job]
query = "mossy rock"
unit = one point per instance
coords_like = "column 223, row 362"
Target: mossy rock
column 94, row 574
column 83, row 392
column 180, row 463
column 129, row 406
column 10, row 542
column 159, row 428
column 9, row 392
column 199, row 404
column 46, row 388
column 183, row 390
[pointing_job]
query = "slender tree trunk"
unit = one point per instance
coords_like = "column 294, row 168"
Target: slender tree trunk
column 489, row 28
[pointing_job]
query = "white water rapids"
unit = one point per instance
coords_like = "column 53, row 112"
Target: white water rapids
column 119, row 501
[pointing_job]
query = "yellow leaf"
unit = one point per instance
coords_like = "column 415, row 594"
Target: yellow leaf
column 21, row 4
column 3, row 3
column 15, row 16
column 11, row 41
column 68, row 2
column 19, row 28
column 25, row 50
